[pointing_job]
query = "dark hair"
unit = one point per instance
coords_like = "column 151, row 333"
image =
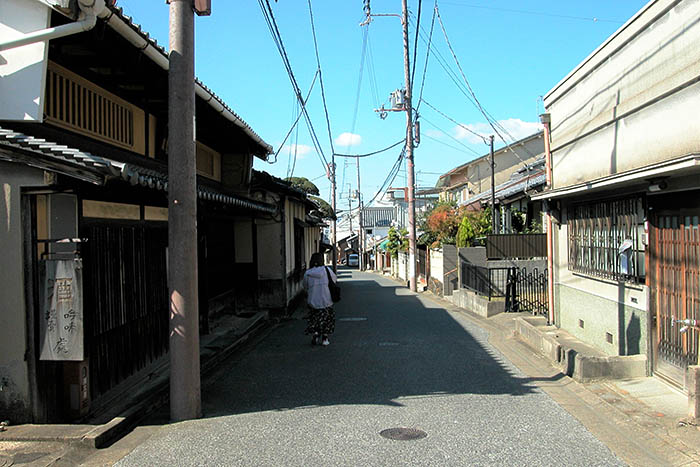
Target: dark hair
column 316, row 260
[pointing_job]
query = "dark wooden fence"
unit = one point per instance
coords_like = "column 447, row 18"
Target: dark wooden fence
column 126, row 301
column 510, row 246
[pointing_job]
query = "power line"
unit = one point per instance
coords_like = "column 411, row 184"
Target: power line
column 298, row 116
column 449, row 136
column 390, row 177
column 372, row 153
column 486, row 115
column 449, row 145
column 269, row 17
column 427, row 56
column 363, row 56
column 464, row 127
column 415, row 42
column 320, row 77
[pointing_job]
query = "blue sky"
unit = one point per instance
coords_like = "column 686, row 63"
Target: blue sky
column 512, row 53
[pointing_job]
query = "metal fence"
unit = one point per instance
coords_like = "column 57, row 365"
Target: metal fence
column 490, row 282
column 508, row 246
column 527, row 291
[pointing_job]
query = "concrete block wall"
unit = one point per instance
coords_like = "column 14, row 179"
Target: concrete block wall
column 476, row 304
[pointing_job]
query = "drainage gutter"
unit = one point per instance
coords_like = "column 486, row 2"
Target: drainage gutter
column 88, row 13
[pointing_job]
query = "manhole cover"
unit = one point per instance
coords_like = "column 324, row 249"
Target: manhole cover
column 403, row 434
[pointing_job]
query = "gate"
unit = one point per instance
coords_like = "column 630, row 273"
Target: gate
column 674, row 282
column 527, row 291
column 126, row 301
column 421, row 262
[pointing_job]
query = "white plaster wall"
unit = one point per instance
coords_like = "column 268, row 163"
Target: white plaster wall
column 630, row 104
column 403, row 274
column 13, row 313
column 269, row 236
column 436, row 269
column 243, row 239
column 22, row 69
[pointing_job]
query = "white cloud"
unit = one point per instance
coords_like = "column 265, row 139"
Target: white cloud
column 301, row 149
column 515, row 127
column 348, row 139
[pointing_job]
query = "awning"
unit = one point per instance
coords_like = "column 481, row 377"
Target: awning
column 683, row 165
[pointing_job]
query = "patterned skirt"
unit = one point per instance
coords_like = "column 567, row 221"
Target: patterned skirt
column 321, row 321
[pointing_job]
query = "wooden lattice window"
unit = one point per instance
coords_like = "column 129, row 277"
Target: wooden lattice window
column 76, row 104
column 605, row 239
column 208, row 162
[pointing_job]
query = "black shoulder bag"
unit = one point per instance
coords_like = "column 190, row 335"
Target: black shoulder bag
column 333, row 287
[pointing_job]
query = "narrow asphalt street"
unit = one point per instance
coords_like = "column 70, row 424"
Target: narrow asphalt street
column 397, row 359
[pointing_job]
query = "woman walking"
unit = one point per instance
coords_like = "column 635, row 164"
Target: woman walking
column 321, row 314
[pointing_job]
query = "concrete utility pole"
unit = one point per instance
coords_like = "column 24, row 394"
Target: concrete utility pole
column 334, row 226
column 185, row 392
column 350, row 207
column 361, row 232
column 494, row 224
column 411, row 182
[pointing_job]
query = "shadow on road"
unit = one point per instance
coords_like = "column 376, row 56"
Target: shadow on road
column 389, row 345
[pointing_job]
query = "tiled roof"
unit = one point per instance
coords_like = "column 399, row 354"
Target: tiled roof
column 509, row 188
column 72, row 162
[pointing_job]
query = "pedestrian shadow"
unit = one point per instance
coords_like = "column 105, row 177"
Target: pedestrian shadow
column 389, row 346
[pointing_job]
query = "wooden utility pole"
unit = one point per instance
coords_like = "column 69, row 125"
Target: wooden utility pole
column 409, row 153
column 185, row 391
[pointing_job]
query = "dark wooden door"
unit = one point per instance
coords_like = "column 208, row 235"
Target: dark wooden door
column 674, row 283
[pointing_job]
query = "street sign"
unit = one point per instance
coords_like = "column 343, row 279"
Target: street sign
column 202, row 7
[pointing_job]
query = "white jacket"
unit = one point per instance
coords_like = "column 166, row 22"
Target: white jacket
column 316, row 285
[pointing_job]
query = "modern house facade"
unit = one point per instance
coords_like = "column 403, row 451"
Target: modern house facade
column 624, row 195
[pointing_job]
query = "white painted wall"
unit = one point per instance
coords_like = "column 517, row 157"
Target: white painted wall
column 22, row 69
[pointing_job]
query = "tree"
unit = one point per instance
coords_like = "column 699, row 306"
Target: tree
column 441, row 224
column 323, row 207
column 472, row 226
column 398, row 241
column 303, row 184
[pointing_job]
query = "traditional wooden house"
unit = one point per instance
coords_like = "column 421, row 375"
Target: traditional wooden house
column 286, row 242
column 83, row 166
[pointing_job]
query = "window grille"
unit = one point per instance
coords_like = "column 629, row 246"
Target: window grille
column 597, row 231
